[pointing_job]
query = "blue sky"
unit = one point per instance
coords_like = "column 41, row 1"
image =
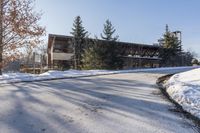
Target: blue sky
column 141, row 21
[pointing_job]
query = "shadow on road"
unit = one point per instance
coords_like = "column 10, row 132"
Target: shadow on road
column 36, row 105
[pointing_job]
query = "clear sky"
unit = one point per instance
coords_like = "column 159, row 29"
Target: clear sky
column 141, row 21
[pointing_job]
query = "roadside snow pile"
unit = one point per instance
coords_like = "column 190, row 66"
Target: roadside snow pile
column 15, row 77
column 25, row 77
column 73, row 73
column 184, row 88
column 22, row 77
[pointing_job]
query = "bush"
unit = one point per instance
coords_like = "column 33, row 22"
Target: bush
column 195, row 62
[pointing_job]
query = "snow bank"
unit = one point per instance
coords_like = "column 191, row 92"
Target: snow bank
column 25, row 77
column 184, row 88
column 22, row 77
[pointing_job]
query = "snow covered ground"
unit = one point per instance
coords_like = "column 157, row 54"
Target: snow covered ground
column 121, row 103
column 184, row 88
column 21, row 77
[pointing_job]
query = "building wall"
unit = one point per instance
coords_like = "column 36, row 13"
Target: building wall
column 60, row 51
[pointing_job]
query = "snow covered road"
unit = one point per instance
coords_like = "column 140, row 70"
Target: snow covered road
column 119, row 103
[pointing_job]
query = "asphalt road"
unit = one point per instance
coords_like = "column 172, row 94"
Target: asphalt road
column 120, row 103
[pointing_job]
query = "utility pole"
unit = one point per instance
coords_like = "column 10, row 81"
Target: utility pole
column 1, row 36
column 41, row 63
column 33, row 62
column 178, row 34
column 181, row 48
column 167, row 28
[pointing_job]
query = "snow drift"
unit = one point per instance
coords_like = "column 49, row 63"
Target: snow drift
column 184, row 88
column 50, row 75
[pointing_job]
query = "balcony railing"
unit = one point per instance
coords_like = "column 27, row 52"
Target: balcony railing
column 62, row 56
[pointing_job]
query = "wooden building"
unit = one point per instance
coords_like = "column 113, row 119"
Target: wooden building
column 60, row 53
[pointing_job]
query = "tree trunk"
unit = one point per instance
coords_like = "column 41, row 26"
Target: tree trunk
column 1, row 57
column 1, row 35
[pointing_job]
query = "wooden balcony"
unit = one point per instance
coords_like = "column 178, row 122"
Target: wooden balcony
column 62, row 56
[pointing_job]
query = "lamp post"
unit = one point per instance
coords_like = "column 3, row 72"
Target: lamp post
column 179, row 35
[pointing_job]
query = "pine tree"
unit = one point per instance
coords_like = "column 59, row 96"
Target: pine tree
column 92, row 57
column 171, row 49
column 109, row 31
column 79, row 33
column 111, row 56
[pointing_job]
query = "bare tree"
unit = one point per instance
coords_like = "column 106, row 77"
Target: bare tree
column 18, row 27
column 29, row 50
column 42, row 48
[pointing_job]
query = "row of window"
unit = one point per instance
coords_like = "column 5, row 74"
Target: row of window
column 62, row 48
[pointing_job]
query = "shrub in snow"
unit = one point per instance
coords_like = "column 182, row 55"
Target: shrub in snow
column 195, row 62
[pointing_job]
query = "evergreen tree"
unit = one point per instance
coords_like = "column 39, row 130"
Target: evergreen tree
column 103, row 54
column 187, row 57
column 114, row 59
column 92, row 57
column 108, row 32
column 171, row 49
column 111, row 53
column 79, row 33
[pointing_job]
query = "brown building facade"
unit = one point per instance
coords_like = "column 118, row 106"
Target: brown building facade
column 60, row 53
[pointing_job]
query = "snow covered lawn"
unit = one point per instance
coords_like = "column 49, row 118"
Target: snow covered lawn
column 184, row 88
column 24, row 77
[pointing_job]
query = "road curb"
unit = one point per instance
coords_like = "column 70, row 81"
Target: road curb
column 160, row 83
column 82, row 76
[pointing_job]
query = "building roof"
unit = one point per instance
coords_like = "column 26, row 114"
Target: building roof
column 63, row 37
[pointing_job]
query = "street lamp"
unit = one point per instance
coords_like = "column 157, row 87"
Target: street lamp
column 179, row 35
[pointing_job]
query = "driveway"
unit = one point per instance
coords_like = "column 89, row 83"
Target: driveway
column 119, row 103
